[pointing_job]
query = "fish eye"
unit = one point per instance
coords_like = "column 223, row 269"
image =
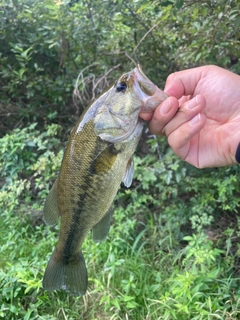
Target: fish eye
column 121, row 86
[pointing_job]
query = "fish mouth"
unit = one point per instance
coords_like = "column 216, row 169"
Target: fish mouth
column 150, row 95
column 145, row 84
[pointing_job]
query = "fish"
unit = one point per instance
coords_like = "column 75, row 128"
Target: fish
column 97, row 159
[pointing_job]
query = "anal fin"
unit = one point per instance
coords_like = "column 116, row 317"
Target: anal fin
column 101, row 229
column 51, row 212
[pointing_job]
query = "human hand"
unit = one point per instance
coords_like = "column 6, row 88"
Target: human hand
column 201, row 118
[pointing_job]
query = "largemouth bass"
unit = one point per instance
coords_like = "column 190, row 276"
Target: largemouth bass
column 98, row 157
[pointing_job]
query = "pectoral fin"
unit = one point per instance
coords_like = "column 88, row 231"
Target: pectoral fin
column 51, row 212
column 101, row 229
column 104, row 160
column 128, row 177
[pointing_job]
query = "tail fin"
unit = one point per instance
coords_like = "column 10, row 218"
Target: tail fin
column 71, row 277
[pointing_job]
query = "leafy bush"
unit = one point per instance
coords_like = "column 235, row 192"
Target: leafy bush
column 46, row 44
column 28, row 155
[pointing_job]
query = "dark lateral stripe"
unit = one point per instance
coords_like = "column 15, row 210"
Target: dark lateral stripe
column 238, row 153
column 71, row 238
column 83, row 197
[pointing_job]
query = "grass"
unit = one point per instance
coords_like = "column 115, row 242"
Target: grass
column 129, row 278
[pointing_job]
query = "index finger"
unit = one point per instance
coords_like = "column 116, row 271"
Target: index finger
column 183, row 83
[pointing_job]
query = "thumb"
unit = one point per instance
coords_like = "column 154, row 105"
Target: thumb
column 183, row 83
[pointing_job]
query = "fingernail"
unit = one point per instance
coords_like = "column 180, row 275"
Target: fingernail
column 195, row 120
column 192, row 103
column 166, row 107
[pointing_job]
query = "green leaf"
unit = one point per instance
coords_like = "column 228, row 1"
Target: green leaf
column 115, row 302
column 188, row 238
column 144, row 6
column 237, row 23
column 21, row 72
column 14, row 309
column 179, row 3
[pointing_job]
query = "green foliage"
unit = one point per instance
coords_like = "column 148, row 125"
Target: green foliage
column 28, row 160
column 202, row 289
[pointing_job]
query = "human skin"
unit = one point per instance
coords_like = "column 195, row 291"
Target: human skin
column 201, row 117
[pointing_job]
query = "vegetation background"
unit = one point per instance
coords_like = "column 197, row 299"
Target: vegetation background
column 173, row 251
